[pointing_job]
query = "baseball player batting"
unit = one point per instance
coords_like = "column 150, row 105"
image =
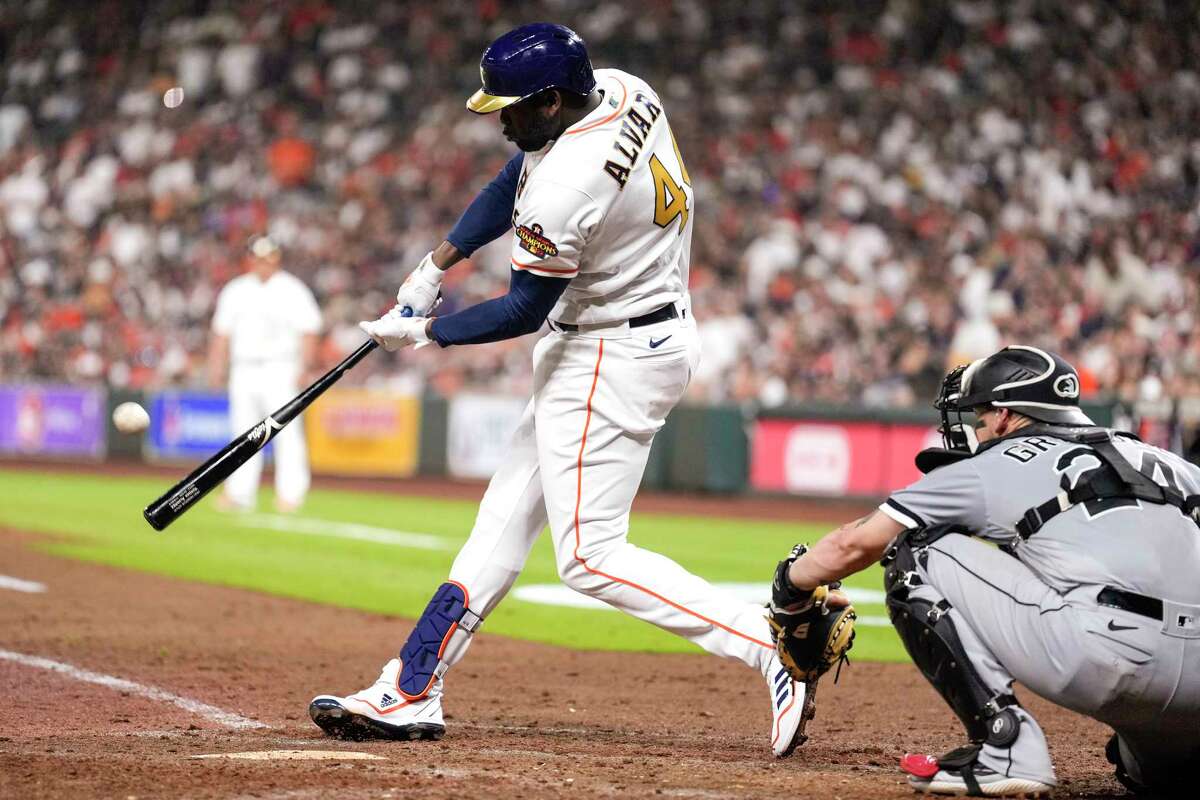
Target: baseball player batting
column 602, row 207
column 1091, row 599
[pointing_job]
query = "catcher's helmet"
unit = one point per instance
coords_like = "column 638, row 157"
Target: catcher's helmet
column 1030, row 381
column 530, row 59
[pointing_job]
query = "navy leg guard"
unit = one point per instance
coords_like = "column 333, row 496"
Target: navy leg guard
column 929, row 636
column 421, row 657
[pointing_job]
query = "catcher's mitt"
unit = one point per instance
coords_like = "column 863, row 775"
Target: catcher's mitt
column 809, row 636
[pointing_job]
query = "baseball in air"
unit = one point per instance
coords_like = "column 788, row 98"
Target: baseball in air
column 130, row 418
column 173, row 96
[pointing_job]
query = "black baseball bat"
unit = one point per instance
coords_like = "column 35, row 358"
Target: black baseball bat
column 204, row 478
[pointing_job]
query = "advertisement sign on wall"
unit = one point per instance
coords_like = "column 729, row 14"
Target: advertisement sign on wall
column 836, row 458
column 480, row 433
column 52, row 420
column 188, row 425
column 363, row 432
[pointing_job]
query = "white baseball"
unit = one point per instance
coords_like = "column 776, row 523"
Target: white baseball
column 130, row 418
column 173, row 96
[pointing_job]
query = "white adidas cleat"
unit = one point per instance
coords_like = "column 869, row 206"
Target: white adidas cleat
column 793, row 704
column 380, row 711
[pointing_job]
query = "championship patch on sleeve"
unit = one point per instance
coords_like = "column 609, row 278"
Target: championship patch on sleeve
column 533, row 240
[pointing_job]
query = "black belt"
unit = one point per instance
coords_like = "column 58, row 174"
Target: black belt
column 1150, row 607
column 658, row 315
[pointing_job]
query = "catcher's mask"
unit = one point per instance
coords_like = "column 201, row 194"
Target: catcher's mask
column 1030, row 381
column 957, row 433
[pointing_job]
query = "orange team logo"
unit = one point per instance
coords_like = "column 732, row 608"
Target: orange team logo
column 534, row 241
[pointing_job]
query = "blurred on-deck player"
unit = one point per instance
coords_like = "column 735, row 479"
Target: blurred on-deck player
column 603, row 208
column 1091, row 599
column 265, row 333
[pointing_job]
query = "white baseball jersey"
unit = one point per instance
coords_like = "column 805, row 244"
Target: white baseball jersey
column 265, row 321
column 585, row 200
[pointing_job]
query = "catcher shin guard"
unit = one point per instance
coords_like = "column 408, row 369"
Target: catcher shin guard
column 436, row 641
column 932, row 641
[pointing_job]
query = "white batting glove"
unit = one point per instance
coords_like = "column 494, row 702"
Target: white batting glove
column 422, row 289
column 394, row 330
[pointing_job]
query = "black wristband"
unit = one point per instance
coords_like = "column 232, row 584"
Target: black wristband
column 783, row 593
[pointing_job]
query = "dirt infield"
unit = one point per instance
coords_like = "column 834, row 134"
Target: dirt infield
column 524, row 720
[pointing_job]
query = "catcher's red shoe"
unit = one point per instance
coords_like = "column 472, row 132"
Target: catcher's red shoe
column 927, row 774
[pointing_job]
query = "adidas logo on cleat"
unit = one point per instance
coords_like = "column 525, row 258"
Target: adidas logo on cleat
column 387, row 701
column 782, row 687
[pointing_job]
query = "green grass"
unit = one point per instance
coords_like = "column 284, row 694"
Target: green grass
column 99, row 519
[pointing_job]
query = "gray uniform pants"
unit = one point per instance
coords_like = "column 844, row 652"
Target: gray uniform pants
column 1138, row 679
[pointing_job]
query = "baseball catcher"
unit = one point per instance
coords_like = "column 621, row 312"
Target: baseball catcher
column 1090, row 598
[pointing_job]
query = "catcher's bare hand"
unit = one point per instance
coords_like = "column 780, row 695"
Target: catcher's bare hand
column 837, row 599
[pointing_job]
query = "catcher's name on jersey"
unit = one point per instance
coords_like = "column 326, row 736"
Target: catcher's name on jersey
column 608, row 205
column 1137, row 546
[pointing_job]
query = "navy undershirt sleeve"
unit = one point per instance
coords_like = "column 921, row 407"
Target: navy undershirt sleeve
column 529, row 301
column 490, row 213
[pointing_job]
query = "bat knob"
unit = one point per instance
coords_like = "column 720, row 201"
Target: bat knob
column 406, row 311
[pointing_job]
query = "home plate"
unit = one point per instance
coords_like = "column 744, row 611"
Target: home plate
column 298, row 755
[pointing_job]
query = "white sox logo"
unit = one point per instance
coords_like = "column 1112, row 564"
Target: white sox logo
column 1066, row 386
column 259, row 433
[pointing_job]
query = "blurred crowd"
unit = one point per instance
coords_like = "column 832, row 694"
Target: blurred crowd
column 883, row 188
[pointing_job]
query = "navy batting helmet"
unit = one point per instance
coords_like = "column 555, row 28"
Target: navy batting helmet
column 530, row 59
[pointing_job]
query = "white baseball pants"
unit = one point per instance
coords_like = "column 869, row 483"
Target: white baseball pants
column 254, row 392
column 576, row 462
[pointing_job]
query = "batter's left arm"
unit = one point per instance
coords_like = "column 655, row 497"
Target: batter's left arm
column 523, row 310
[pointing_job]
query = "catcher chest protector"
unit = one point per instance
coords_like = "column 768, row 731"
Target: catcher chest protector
column 931, row 640
column 1117, row 482
column 443, row 629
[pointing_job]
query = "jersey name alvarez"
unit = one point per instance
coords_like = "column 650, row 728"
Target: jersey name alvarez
column 608, row 206
column 635, row 126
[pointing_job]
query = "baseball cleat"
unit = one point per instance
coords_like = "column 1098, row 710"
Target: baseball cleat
column 793, row 704
column 973, row 780
column 380, row 712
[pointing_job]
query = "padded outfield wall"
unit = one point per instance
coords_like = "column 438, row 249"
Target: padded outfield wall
column 812, row 451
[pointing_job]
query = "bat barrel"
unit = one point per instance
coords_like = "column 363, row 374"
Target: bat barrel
column 206, row 477
column 153, row 515
column 159, row 513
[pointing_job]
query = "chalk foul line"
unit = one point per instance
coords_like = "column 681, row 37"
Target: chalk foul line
column 212, row 713
column 21, row 585
column 343, row 530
